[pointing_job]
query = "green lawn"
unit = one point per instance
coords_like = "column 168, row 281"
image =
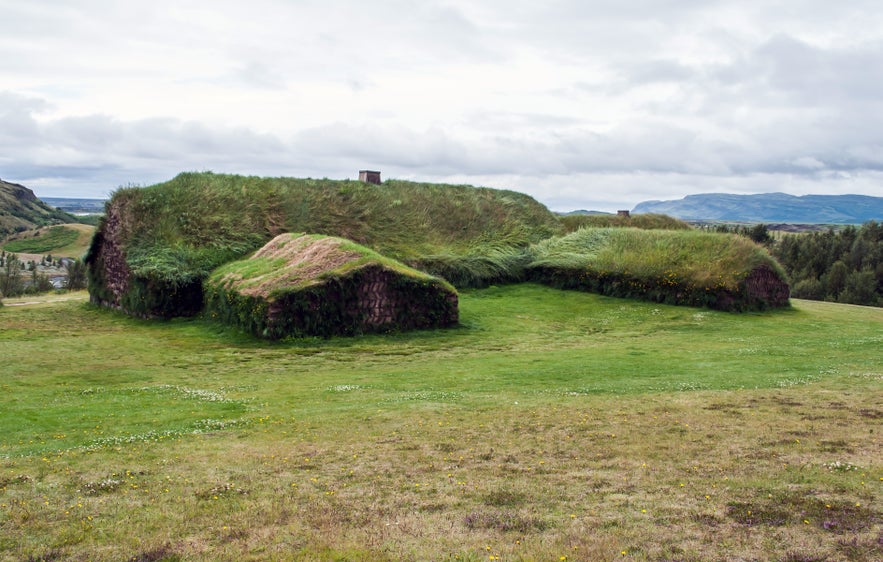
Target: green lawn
column 550, row 424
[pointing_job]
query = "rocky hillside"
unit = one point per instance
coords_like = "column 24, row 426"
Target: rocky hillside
column 771, row 208
column 21, row 210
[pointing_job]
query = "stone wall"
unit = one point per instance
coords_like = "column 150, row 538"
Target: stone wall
column 380, row 305
column 764, row 286
column 109, row 259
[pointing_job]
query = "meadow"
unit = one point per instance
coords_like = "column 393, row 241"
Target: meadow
column 550, row 425
column 60, row 241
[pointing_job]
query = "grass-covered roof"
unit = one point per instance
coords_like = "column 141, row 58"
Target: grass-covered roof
column 723, row 271
column 156, row 245
column 291, row 262
column 168, row 237
column 300, row 285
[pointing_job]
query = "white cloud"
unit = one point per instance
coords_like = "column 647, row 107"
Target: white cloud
column 582, row 104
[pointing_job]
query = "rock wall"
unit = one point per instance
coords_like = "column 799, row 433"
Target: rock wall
column 764, row 286
column 107, row 260
column 369, row 300
column 380, row 305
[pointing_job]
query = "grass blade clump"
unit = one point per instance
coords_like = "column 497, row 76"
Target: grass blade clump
column 479, row 268
column 689, row 267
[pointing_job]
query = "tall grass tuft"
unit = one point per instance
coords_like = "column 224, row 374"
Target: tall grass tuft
column 646, row 221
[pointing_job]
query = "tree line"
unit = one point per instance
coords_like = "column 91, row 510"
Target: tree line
column 18, row 277
column 843, row 265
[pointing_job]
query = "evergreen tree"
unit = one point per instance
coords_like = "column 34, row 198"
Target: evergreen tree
column 759, row 234
column 844, row 265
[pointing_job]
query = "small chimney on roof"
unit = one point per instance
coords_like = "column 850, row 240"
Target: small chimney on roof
column 369, row 176
column 625, row 214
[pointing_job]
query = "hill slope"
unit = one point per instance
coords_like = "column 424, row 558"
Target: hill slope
column 771, row 207
column 21, row 210
column 61, row 240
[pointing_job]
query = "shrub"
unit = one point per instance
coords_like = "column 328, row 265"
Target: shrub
column 76, row 275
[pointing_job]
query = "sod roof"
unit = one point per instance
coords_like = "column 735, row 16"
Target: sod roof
column 291, row 262
column 157, row 244
column 300, row 285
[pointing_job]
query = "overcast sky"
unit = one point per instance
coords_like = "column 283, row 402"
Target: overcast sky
column 583, row 104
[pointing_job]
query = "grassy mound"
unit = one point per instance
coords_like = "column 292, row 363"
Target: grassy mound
column 156, row 244
column 721, row 271
column 646, row 221
column 308, row 285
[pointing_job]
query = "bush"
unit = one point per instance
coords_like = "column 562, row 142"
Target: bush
column 11, row 281
column 76, row 275
column 40, row 283
column 811, row 289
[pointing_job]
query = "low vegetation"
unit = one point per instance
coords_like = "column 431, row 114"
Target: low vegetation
column 721, row 271
column 550, row 425
column 43, row 241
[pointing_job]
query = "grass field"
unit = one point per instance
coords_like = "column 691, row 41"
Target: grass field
column 62, row 241
column 550, row 426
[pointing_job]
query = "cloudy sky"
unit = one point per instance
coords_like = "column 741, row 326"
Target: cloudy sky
column 584, row 104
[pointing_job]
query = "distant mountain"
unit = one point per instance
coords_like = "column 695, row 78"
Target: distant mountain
column 21, row 210
column 582, row 212
column 771, row 208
